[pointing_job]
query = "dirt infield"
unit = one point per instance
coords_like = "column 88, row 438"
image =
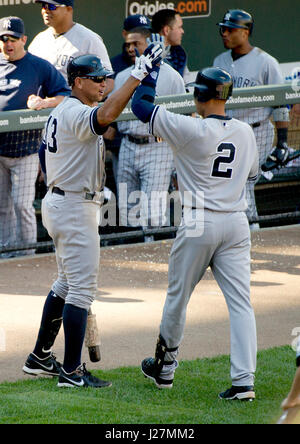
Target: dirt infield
column 133, row 282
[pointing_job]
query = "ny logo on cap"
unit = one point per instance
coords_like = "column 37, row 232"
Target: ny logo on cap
column 227, row 16
column 7, row 24
column 143, row 20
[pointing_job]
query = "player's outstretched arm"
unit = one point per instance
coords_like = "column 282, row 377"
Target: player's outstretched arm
column 115, row 104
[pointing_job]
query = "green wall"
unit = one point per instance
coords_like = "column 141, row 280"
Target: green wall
column 276, row 25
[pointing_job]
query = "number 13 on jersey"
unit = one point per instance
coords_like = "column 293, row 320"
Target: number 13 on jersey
column 51, row 130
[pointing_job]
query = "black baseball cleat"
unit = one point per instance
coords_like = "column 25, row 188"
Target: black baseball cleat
column 149, row 370
column 81, row 378
column 245, row 393
column 280, row 157
column 35, row 366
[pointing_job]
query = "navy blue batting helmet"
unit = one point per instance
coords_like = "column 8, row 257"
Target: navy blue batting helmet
column 237, row 18
column 86, row 66
column 212, row 83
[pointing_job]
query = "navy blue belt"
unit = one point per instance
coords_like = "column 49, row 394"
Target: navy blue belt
column 141, row 140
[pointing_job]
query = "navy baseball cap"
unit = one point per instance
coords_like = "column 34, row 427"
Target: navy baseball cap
column 13, row 26
column 136, row 21
column 57, row 2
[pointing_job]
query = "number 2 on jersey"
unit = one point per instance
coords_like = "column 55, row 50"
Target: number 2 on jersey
column 51, row 135
column 228, row 150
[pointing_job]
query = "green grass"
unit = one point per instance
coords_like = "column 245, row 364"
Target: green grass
column 134, row 400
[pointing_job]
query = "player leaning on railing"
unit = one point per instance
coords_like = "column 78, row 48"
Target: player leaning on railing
column 26, row 81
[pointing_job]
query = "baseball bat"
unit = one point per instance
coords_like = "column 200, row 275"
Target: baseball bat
column 92, row 338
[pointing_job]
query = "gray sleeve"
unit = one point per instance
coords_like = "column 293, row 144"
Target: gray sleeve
column 273, row 74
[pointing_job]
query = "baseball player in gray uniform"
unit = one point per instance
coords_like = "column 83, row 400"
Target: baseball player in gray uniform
column 73, row 149
column 251, row 66
column 145, row 164
column 214, row 158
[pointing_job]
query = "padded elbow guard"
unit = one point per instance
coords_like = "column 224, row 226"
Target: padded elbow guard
column 143, row 103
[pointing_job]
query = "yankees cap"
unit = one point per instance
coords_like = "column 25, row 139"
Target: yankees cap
column 136, row 21
column 12, row 26
column 57, row 2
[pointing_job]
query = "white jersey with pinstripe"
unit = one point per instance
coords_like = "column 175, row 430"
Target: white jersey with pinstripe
column 60, row 49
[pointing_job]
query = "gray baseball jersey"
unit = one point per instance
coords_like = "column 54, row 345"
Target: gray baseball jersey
column 256, row 68
column 59, row 50
column 75, row 151
column 215, row 156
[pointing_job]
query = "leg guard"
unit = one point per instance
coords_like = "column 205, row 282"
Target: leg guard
column 50, row 324
column 163, row 355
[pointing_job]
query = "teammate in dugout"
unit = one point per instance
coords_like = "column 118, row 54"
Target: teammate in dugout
column 169, row 24
column 64, row 39
column 73, row 149
column 145, row 164
column 251, row 66
column 26, row 81
column 214, row 157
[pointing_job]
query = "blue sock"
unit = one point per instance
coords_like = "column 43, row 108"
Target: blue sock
column 50, row 325
column 74, row 320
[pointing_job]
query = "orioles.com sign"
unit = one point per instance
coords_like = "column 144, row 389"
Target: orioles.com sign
column 186, row 8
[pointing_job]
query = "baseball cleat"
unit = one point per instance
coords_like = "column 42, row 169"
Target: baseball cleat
column 35, row 366
column 80, row 378
column 245, row 393
column 149, row 370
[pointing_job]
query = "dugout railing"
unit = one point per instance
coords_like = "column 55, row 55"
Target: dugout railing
column 277, row 197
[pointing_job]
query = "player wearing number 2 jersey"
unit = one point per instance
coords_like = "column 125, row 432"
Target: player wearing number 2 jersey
column 214, row 157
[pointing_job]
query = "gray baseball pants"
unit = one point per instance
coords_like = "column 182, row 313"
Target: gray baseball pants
column 145, row 171
column 225, row 247
column 72, row 222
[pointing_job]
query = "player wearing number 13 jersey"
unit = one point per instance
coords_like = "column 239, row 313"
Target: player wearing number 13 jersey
column 214, row 158
column 72, row 158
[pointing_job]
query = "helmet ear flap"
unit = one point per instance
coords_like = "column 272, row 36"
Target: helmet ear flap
column 202, row 93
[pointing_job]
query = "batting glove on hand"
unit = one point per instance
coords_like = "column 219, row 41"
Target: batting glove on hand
column 145, row 63
column 158, row 39
column 280, row 157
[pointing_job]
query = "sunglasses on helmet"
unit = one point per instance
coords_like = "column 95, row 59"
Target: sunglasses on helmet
column 96, row 79
column 50, row 7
